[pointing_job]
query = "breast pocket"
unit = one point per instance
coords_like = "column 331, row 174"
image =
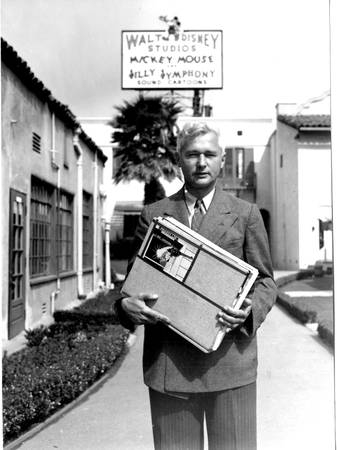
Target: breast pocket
column 232, row 242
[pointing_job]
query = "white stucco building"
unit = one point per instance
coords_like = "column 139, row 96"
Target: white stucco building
column 51, row 172
column 282, row 163
column 300, row 147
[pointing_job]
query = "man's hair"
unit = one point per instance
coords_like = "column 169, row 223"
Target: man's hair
column 192, row 130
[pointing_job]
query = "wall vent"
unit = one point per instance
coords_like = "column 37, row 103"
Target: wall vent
column 36, row 141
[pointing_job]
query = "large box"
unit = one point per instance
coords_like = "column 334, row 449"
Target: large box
column 193, row 278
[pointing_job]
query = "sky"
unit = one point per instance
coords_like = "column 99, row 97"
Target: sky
column 273, row 51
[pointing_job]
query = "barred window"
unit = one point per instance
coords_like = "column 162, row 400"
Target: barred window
column 41, row 228
column 65, row 233
column 51, row 230
column 87, row 230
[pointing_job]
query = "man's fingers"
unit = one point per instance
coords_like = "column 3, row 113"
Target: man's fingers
column 155, row 315
column 233, row 317
column 139, row 308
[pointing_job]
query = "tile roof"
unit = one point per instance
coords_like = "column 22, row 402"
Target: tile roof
column 21, row 69
column 306, row 121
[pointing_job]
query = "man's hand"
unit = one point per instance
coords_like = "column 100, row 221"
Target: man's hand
column 138, row 311
column 233, row 318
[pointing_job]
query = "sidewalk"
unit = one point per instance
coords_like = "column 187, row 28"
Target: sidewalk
column 295, row 398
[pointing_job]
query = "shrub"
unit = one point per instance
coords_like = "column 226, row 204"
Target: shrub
column 34, row 337
column 60, row 363
column 301, row 312
column 325, row 330
column 99, row 310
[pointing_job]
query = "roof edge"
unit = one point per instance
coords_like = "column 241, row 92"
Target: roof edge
column 306, row 122
column 21, row 69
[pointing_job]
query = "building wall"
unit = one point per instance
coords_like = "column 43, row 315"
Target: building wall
column 284, row 222
column 300, row 189
column 314, row 190
column 22, row 114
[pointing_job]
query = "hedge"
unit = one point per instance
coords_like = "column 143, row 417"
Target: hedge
column 302, row 314
column 58, row 364
column 99, row 310
column 325, row 330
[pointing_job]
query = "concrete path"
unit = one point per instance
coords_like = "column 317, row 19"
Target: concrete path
column 295, row 399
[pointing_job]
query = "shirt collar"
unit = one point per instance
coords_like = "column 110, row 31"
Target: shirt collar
column 190, row 200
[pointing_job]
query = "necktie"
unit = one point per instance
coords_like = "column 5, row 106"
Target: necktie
column 199, row 212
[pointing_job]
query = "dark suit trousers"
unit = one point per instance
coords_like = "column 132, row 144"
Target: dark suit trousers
column 230, row 419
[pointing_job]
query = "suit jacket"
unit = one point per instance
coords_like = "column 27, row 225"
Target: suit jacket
column 170, row 363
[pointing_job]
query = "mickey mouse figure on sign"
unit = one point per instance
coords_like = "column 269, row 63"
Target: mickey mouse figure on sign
column 173, row 27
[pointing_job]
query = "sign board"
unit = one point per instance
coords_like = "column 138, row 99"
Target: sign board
column 156, row 60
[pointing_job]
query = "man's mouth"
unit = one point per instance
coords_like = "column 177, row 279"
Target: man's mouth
column 201, row 174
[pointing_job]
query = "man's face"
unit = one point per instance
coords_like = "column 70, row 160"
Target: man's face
column 201, row 161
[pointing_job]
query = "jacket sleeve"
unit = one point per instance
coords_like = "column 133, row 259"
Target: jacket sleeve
column 257, row 253
column 141, row 229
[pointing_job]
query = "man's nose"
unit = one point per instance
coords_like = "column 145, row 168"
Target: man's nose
column 201, row 160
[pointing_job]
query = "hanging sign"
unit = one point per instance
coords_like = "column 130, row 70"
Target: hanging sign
column 157, row 60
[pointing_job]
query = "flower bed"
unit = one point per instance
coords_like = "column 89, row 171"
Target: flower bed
column 58, row 364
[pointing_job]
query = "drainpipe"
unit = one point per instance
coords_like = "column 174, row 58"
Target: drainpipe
column 55, row 166
column 94, row 252
column 79, row 152
column 107, row 254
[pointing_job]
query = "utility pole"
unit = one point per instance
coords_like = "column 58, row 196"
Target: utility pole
column 197, row 110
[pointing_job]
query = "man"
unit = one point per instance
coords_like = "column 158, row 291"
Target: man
column 185, row 384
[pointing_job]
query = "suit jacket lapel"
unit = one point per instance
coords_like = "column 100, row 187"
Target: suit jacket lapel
column 219, row 217
column 177, row 208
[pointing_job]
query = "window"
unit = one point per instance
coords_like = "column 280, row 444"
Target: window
column 228, row 169
column 41, row 228
column 51, row 230
column 239, row 169
column 65, row 233
column 240, row 161
column 87, row 230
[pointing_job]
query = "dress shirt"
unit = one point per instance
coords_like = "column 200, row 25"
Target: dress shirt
column 190, row 202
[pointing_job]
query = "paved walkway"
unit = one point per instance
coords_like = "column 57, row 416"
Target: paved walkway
column 295, row 399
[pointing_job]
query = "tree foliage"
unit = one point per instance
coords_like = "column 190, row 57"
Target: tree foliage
column 145, row 131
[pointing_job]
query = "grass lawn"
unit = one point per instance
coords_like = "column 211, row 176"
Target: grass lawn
column 324, row 283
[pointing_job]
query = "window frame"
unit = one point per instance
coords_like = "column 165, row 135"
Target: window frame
column 42, row 231
column 65, row 232
column 57, row 206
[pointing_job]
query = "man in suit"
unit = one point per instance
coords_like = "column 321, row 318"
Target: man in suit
column 186, row 385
